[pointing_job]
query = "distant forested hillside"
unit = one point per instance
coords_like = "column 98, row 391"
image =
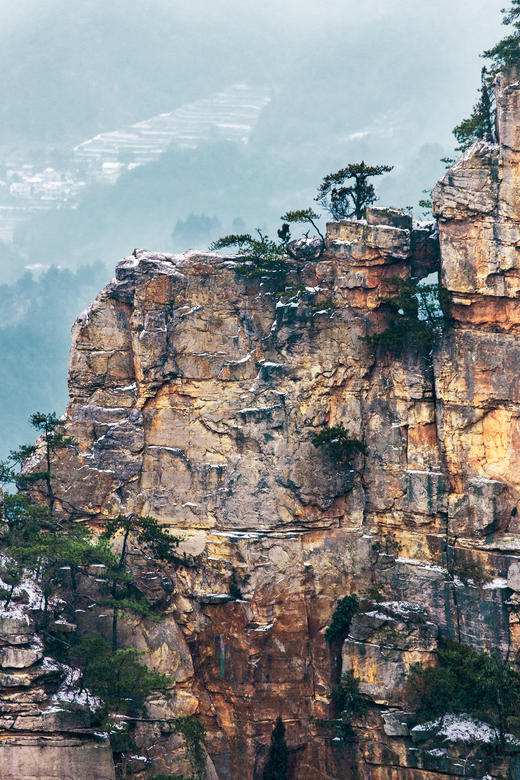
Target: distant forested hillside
column 37, row 314
column 379, row 81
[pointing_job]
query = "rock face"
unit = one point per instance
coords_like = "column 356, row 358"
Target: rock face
column 195, row 394
column 47, row 729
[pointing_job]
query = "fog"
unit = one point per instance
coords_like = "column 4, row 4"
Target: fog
column 320, row 84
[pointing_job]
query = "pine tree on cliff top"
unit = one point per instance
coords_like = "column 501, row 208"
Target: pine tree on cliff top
column 344, row 200
column 481, row 123
column 506, row 53
column 278, row 761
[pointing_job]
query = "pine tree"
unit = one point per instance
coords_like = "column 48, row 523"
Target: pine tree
column 507, row 51
column 505, row 54
column 465, row 681
column 343, row 201
column 37, row 543
column 339, row 445
column 301, row 216
column 259, row 258
column 481, row 123
column 120, row 679
column 47, row 424
column 151, row 542
column 278, row 761
column 417, row 316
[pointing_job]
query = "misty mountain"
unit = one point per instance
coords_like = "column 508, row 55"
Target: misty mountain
column 384, row 81
column 76, row 69
column 37, row 314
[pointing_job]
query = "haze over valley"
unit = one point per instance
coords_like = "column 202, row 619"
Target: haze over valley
column 166, row 126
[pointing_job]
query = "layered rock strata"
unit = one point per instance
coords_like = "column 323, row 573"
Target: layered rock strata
column 195, row 394
column 47, row 728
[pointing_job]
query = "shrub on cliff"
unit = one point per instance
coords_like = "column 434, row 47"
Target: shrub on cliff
column 262, row 258
column 338, row 444
column 343, row 200
column 278, row 762
column 193, row 731
column 52, row 440
column 54, row 552
column 119, row 679
column 481, row 123
column 417, row 317
column 300, row 216
column 348, row 702
column 258, row 257
column 339, row 627
column 152, row 543
column 507, row 51
column 466, row 681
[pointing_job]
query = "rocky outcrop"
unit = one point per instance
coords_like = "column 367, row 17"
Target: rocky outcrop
column 48, row 727
column 195, row 394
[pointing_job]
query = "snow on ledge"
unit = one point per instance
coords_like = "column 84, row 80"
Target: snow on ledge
column 463, row 728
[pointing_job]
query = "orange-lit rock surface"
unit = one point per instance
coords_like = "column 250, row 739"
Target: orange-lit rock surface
column 194, row 396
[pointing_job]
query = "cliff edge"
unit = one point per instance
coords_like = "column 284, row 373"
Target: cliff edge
column 195, row 396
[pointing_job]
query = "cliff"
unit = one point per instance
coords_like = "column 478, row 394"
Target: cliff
column 47, row 728
column 195, row 395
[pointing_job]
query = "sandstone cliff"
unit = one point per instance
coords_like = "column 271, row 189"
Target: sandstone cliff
column 46, row 722
column 194, row 396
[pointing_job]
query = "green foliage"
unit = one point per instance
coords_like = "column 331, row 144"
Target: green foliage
column 373, row 594
column 338, row 444
column 417, row 317
column 326, row 305
column 154, row 544
column 300, row 216
column 56, row 551
column 346, row 696
column 38, row 543
column 171, row 777
column 469, row 572
column 277, row 766
column 235, row 591
column 348, row 704
column 512, row 16
column 506, row 53
column 427, row 204
column 47, row 426
column 259, row 258
column 448, row 161
column 193, row 732
column 481, row 123
column 121, row 739
column 343, row 201
column 290, row 293
column 11, row 573
column 119, row 679
column 466, row 681
column 388, row 545
column 339, row 627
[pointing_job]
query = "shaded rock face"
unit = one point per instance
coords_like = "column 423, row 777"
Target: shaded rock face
column 195, row 395
column 41, row 736
column 47, row 725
